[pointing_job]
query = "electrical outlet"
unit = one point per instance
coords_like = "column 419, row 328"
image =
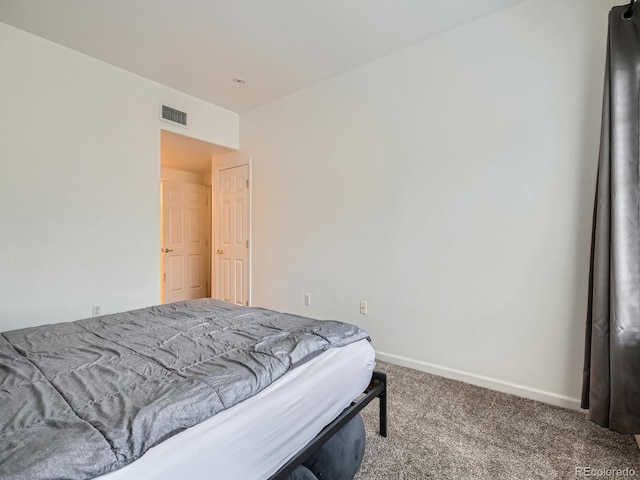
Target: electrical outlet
column 307, row 299
column 363, row 307
column 96, row 310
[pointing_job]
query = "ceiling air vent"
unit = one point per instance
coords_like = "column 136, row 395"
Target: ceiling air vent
column 173, row 115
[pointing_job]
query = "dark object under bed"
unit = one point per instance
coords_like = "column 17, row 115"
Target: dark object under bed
column 339, row 458
column 336, row 452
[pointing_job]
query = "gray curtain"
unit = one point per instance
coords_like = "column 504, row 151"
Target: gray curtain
column 611, row 386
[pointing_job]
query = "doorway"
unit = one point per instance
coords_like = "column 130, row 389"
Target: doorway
column 186, row 216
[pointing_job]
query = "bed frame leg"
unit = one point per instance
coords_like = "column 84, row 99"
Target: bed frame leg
column 382, row 379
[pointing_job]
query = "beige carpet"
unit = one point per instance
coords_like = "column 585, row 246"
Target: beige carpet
column 444, row 429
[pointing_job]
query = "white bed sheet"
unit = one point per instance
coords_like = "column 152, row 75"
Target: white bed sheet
column 253, row 439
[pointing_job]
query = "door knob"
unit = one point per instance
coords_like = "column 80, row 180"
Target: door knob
column 219, row 251
column 167, row 250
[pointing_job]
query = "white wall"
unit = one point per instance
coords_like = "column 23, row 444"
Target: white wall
column 450, row 185
column 80, row 181
column 185, row 176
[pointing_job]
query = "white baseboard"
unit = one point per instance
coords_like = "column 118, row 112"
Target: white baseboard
column 482, row 381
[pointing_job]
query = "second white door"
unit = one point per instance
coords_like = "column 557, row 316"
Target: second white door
column 232, row 235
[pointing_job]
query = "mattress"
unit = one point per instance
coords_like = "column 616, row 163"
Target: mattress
column 254, row 438
column 81, row 399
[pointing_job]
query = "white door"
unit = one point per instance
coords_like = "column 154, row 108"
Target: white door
column 184, row 234
column 232, row 235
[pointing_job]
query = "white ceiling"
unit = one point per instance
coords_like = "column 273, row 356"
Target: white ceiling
column 277, row 46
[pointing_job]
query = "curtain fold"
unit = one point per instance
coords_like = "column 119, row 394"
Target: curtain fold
column 611, row 383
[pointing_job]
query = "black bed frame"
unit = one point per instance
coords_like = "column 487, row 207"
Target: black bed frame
column 376, row 389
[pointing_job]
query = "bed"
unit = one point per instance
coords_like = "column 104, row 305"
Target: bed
column 196, row 389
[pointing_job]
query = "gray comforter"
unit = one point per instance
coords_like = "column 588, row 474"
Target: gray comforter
column 81, row 399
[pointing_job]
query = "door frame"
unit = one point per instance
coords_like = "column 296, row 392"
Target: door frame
column 231, row 160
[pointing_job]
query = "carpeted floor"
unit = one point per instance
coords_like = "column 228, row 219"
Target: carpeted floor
column 444, row 429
